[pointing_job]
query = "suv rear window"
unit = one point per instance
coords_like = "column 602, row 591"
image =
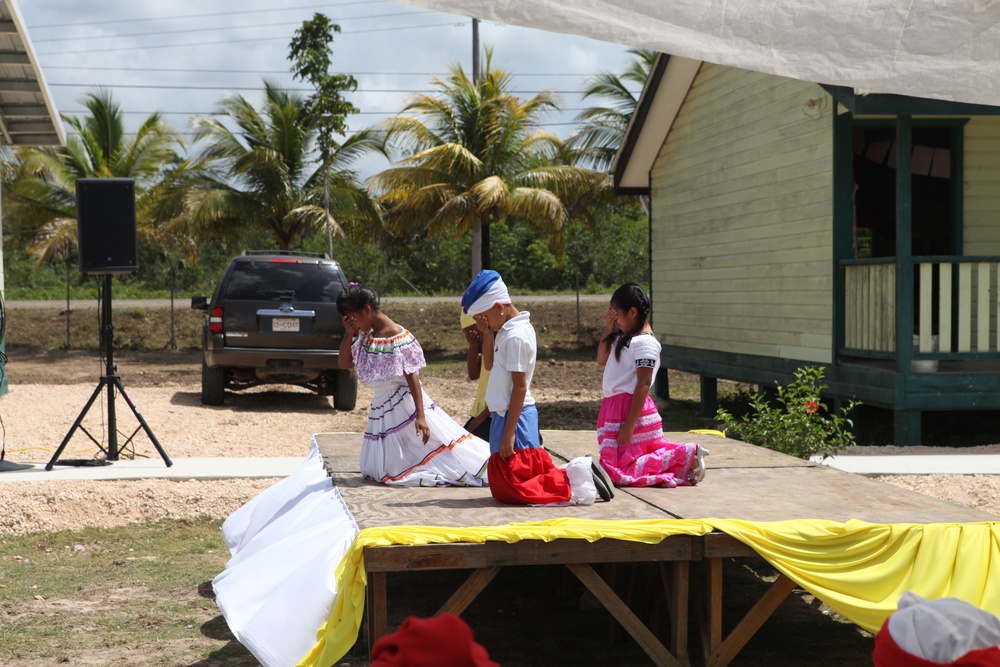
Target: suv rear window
column 251, row 281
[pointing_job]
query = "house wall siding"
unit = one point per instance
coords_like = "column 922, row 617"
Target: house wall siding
column 981, row 232
column 742, row 240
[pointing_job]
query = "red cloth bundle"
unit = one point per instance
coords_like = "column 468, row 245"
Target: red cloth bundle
column 441, row 641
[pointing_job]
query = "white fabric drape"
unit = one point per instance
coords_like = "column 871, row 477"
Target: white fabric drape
column 941, row 49
column 279, row 586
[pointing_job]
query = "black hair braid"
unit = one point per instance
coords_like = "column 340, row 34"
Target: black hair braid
column 626, row 297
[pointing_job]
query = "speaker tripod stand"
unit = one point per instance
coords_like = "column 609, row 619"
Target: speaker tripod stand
column 110, row 382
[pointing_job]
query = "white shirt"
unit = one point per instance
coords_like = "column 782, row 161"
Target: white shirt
column 619, row 375
column 514, row 350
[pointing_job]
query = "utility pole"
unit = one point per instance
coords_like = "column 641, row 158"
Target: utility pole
column 477, row 225
column 475, row 50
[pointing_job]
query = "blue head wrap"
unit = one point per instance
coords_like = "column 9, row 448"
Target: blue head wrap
column 481, row 286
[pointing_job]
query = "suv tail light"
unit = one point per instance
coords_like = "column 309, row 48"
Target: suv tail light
column 286, row 260
column 215, row 320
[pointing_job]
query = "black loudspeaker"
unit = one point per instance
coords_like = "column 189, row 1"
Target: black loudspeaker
column 105, row 224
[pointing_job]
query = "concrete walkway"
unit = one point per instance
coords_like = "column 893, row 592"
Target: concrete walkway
column 235, row 468
column 191, row 468
column 924, row 464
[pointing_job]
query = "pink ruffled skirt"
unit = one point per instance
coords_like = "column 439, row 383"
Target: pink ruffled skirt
column 648, row 459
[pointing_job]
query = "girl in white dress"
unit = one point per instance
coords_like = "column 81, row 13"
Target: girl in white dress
column 408, row 441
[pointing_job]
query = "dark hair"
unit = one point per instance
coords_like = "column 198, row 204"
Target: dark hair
column 626, row 297
column 355, row 298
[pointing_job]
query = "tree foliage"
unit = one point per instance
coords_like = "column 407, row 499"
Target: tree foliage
column 261, row 174
column 326, row 107
column 472, row 155
column 41, row 182
column 604, row 126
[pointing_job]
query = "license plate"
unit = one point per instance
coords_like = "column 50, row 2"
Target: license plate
column 285, row 324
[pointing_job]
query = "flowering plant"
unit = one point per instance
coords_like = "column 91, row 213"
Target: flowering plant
column 796, row 422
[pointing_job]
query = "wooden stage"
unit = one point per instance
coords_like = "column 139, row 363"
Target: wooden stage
column 742, row 482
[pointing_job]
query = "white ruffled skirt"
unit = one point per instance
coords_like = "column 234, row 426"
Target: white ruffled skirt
column 393, row 453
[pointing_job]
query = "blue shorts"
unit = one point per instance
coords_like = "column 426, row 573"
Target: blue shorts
column 526, row 434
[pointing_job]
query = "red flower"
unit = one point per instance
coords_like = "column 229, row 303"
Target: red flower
column 811, row 407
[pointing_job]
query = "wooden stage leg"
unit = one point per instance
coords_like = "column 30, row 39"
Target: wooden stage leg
column 378, row 615
column 710, row 607
column 642, row 635
column 745, row 629
column 676, row 586
column 468, row 591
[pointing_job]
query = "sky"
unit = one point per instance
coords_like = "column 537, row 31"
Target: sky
column 183, row 57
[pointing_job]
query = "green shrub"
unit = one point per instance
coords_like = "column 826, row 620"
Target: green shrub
column 796, row 422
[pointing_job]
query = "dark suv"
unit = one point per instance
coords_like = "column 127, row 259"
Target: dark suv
column 273, row 319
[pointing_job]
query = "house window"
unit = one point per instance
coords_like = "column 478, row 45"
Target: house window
column 934, row 190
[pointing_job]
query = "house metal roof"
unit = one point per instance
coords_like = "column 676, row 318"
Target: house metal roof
column 28, row 116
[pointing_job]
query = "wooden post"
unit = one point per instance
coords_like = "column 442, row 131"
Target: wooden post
column 906, row 429
column 709, row 396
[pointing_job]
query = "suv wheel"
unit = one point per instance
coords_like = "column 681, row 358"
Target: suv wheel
column 213, row 384
column 345, row 395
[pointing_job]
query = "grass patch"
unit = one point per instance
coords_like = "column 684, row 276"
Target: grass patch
column 143, row 588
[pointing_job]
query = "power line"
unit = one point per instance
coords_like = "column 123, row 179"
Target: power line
column 182, row 70
column 198, row 16
column 228, row 27
column 223, row 113
column 238, row 41
column 185, row 86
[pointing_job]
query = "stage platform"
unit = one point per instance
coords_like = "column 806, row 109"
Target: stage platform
column 743, row 482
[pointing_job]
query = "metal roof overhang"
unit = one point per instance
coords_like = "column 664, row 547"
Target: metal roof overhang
column 28, row 116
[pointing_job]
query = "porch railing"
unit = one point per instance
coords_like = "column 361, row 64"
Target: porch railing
column 955, row 304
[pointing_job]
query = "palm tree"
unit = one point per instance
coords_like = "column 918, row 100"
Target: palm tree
column 604, row 127
column 474, row 154
column 41, row 182
column 262, row 172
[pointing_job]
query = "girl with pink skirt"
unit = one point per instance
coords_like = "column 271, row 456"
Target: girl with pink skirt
column 629, row 429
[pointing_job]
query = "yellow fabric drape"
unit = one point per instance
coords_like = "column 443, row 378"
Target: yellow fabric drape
column 860, row 569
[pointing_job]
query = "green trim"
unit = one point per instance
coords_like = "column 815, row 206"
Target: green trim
column 957, row 191
column 883, row 104
column 709, row 396
column 867, row 260
column 843, row 218
column 872, row 384
column 904, row 246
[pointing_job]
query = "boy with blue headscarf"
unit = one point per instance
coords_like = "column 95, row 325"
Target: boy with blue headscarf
column 520, row 471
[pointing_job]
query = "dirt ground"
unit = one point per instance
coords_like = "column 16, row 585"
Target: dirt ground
column 48, row 389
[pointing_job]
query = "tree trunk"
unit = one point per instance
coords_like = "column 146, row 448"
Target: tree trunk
column 477, row 247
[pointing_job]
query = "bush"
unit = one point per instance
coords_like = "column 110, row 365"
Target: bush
column 796, row 422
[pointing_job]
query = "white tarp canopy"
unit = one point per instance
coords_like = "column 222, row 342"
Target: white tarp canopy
column 941, row 49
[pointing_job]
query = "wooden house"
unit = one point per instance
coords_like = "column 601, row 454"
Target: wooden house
column 794, row 224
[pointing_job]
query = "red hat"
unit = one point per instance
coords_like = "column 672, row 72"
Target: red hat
column 947, row 631
column 442, row 641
